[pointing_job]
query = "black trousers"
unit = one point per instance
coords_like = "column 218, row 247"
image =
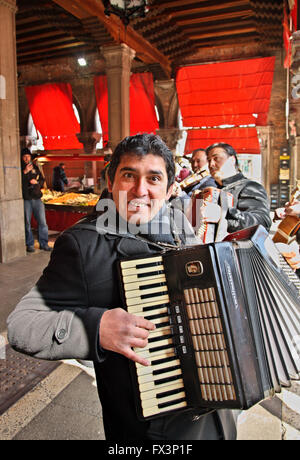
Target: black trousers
column 186, row 426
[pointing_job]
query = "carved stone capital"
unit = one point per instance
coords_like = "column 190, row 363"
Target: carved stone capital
column 10, row 4
column 89, row 141
column 264, row 135
column 170, row 136
column 118, row 56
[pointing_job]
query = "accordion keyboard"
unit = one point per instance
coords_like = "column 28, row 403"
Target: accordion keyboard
column 160, row 385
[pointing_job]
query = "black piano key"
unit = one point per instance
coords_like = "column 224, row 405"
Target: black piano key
column 158, row 339
column 154, row 294
column 146, row 265
column 155, row 362
column 151, row 286
column 161, row 381
column 162, row 348
column 156, row 307
column 157, row 372
column 171, row 403
column 163, row 394
column 145, row 275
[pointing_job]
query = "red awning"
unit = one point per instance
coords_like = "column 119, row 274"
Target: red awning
column 243, row 140
column 230, row 93
column 51, row 107
column 100, row 83
column 142, row 104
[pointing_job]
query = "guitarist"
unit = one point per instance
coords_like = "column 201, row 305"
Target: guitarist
column 293, row 256
column 250, row 201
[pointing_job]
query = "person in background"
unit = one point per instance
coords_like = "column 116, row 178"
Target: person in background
column 59, row 179
column 250, row 204
column 32, row 183
column 200, row 178
column 291, row 252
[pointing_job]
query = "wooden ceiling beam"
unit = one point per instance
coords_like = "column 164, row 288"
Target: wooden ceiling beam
column 209, row 8
column 47, row 49
column 217, row 17
column 39, row 36
column 220, row 26
column 119, row 33
column 237, row 40
column 223, row 33
column 20, row 31
column 161, row 4
column 30, row 20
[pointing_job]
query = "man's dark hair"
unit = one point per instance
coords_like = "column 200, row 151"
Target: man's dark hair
column 25, row 151
column 197, row 150
column 141, row 145
column 227, row 148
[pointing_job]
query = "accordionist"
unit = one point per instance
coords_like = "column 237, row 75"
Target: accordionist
column 75, row 310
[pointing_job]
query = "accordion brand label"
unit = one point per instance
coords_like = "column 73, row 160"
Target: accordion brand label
column 231, row 285
column 194, row 268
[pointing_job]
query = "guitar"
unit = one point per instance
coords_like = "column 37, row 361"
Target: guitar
column 193, row 179
column 209, row 232
column 289, row 226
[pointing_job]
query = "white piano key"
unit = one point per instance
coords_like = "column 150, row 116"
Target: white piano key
column 149, row 305
column 163, row 355
column 156, row 367
column 159, row 320
column 155, row 410
column 138, row 285
column 153, row 393
column 134, row 263
column 159, row 333
column 148, row 314
column 148, row 404
column 162, row 298
column 132, row 275
column 149, row 377
column 145, row 353
column 137, row 294
column 158, row 387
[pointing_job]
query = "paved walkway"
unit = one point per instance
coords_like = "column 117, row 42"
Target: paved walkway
column 64, row 405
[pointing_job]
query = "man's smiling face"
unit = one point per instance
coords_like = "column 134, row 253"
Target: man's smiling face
column 140, row 187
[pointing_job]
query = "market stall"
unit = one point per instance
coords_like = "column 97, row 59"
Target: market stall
column 65, row 209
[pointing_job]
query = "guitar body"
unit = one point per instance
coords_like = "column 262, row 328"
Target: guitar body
column 204, row 231
column 289, row 226
column 287, row 230
column 208, row 232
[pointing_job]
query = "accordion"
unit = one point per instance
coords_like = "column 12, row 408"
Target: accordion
column 227, row 325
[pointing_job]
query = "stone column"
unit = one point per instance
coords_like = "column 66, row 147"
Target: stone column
column 12, row 239
column 170, row 136
column 118, row 59
column 265, row 138
column 165, row 91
